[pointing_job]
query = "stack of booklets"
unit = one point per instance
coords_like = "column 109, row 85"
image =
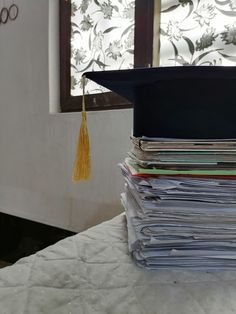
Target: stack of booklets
column 180, row 196
column 180, row 202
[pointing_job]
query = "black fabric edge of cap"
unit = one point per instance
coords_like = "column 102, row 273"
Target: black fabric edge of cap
column 124, row 82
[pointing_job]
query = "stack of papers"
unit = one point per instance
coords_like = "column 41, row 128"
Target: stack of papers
column 180, row 202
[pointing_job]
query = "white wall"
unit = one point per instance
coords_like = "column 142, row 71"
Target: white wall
column 37, row 148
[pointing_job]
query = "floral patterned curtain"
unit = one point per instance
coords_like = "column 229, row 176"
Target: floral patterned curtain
column 102, row 39
column 198, row 32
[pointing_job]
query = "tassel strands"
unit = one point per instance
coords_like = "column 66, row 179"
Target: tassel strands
column 82, row 164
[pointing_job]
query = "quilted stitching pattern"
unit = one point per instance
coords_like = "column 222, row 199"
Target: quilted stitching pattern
column 92, row 273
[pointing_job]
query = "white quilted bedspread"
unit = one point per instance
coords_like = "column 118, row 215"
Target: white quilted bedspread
column 92, row 272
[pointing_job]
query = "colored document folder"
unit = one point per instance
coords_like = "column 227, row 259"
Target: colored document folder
column 155, row 171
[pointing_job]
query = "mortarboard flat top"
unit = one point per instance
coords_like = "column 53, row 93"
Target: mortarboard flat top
column 177, row 102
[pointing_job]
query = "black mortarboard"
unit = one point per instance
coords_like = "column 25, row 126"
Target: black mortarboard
column 177, row 102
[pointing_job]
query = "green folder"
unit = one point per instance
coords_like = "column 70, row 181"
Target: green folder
column 156, row 171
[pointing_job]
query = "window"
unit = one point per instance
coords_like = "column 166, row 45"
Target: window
column 139, row 49
column 198, row 32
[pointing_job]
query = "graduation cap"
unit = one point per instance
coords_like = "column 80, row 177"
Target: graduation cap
column 177, row 102
column 190, row 102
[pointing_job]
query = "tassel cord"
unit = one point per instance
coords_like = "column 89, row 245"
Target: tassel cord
column 82, row 165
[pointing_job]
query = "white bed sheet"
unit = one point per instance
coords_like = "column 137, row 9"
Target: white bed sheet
column 92, row 272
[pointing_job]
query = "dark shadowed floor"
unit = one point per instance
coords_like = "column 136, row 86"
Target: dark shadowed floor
column 4, row 264
column 20, row 237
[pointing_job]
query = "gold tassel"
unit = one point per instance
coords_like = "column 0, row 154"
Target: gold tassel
column 82, row 164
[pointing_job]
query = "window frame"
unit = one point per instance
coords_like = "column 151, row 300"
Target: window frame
column 144, row 21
